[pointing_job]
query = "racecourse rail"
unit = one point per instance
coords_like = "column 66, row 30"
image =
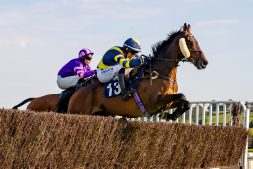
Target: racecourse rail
column 199, row 111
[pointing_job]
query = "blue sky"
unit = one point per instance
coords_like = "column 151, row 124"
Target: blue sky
column 38, row 37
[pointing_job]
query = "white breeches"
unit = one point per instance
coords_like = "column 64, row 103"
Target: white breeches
column 67, row 82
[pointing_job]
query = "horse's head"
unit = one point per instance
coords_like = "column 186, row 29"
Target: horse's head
column 190, row 49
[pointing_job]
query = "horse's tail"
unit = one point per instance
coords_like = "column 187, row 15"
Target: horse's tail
column 23, row 102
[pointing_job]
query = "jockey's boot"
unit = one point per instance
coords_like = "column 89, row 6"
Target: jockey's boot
column 124, row 91
column 80, row 83
column 62, row 105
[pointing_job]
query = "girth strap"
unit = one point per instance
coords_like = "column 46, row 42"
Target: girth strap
column 139, row 103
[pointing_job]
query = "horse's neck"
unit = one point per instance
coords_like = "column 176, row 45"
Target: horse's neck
column 167, row 62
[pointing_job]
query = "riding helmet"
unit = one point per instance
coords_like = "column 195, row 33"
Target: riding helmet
column 133, row 44
column 85, row 53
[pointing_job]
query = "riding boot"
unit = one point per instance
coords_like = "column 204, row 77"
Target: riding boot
column 62, row 105
column 79, row 84
column 124, row 91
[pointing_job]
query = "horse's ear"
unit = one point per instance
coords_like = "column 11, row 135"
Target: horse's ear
column 189, row 28
column 185, row 27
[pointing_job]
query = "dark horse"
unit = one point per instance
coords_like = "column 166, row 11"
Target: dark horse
column 161, row 95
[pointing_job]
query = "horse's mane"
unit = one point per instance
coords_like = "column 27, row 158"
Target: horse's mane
column 157, row 48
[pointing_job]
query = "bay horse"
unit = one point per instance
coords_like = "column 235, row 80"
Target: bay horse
column 44, row 103
column 49, row 102
column 161, row 95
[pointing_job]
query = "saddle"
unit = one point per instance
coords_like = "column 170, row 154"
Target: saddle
column 65, row 96
column 86, row 82
column 112, row 88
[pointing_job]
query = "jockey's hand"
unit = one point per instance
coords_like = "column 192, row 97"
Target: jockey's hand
column 94, row 73
column 144, row 59
column 149, row 57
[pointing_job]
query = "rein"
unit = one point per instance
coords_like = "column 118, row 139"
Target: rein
column 169, row 60
column 176, row 60
column 150, row 72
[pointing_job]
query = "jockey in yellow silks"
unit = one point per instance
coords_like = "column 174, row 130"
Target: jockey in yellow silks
column 116, row 59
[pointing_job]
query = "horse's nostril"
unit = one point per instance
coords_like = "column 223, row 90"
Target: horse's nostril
column 205, row 62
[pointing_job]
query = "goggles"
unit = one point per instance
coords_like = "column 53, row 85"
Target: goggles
column 133, row 52
column 88, row 57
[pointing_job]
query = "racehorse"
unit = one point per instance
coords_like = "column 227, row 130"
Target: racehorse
column 43, row 103
column 49, row 102
column 161, row 95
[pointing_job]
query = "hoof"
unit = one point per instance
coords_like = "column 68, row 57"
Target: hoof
column 171, row 117
column 187, row 106
column 123, row 119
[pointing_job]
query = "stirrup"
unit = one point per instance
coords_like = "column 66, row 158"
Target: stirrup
column 126, row 95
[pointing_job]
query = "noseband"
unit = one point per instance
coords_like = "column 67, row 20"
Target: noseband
column 183, row 59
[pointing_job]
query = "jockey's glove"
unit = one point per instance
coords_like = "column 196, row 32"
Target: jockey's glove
column 149, row 57
column 143, row 59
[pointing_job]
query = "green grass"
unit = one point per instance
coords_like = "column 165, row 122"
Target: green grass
column 207, row 118
column 250, row 139
column 251, row 117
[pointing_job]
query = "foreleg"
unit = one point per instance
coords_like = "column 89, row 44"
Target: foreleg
column 177, row 100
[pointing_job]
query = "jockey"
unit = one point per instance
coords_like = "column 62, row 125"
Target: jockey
column 71, row 74
column 76, row 69
column 116, row 59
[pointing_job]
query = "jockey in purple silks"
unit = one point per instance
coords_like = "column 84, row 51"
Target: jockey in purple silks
column 75, row 69
column 71, row 74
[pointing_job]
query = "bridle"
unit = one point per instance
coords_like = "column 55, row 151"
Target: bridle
column 183, row 59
